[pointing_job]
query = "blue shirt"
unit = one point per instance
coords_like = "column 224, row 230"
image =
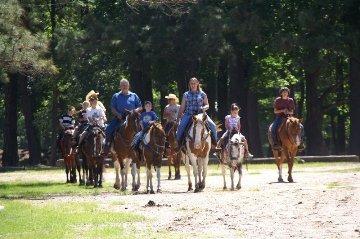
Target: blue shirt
column 120, row 102
column 194, row 101
column 146, row 117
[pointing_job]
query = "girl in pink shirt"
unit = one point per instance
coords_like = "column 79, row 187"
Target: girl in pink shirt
column 232, row 123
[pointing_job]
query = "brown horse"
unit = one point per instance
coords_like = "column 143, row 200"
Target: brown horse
column 152, row 148
column 93, row 160
column 123, row 155
column 289, row 135
column 198, row 144
column 174, row 157
column 68, row 154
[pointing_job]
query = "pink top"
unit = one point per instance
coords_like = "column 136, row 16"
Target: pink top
column 232, row 123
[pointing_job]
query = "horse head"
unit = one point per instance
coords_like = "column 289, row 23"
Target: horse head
column 132, row 120
column 157, row 138
column 236, row 147
column 67, row 142
column 199, row 130
column 95, row 138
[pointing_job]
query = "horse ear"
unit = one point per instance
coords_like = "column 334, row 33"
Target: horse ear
column 204, row 117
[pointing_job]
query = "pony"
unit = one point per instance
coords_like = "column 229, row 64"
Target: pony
column 233, row 156
column 152, row 149
column 68, row 154
column 174, row 157
column 93, row 162
column 289, row 135
column 123, row 155
column 198, row 144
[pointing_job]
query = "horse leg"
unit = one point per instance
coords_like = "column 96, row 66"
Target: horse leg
column 195, row 172
column 95, row 169
column 290, row 166
column 200, row 174
column 278, row 164
column 117, row 174
column 223, row 172
column 138, row 177
column 232, row 177
column 67, row 170
column 204, row 171
column 133, row 174
column 177, row 166
column 238, row 186
column 78, row 167
column 169, row 163
column 187, row 168
column 158, row 176
column 150, row 180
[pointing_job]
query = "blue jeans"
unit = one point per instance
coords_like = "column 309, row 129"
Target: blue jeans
column 275, row 126
column 137, row 139
column 184, row 122
column 110, row 130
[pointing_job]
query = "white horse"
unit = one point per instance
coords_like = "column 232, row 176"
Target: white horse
column 233, row 157
column 198, row 143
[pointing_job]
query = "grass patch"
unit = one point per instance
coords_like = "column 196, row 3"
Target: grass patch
column 28, row 190
column 333, row 185
column 23, row 219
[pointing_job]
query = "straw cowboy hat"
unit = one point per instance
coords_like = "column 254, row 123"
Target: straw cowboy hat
column 172, row 96
column 94, row 95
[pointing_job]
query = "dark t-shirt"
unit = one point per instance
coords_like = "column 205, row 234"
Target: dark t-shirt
column 280, row 104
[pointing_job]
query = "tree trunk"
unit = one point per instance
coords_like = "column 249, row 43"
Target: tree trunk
column 341, row 118
column 254, row 129
column 354, row 83
column 300, row 108
column 211, row 94
column 27, row 107
column 140, row 78
column 55, row 90
column 238, row 85
column 222, row 89
column 10, row 155
column 314, row 116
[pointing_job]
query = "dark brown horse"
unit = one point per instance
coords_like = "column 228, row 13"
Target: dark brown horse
column 289, row 135
column 152, row 148
column 123, row 155
column 68, row 154
column 93, row 160
column 173, row 156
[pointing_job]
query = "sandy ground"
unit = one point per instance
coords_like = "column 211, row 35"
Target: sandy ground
column 323, row 202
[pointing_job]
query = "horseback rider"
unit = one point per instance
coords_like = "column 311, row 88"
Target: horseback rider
column 284, row 106
column 147, row 118
column 232, row 124
column 171, row 111
column 194, row 101
column 82, row 121
column 95, row 116
column 66, row 122
column 120, row 102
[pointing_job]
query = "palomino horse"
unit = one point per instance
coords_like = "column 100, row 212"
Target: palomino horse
column 289, row 135
column 152, row 148
column 93, row 160
column 198, row 143
column 233, row 157
column 122, row 154
column 68, row 153
column 173, row 156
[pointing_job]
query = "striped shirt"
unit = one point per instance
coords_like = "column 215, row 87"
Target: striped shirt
column 67, row 121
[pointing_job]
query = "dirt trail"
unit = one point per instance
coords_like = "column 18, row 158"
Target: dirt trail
column 323, row 202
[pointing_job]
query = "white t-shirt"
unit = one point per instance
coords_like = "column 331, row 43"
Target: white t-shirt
column 96, row 115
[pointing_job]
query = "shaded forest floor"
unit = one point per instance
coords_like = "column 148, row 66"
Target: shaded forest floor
column 324, row 202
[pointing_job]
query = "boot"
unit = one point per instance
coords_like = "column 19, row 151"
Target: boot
column 106, row 150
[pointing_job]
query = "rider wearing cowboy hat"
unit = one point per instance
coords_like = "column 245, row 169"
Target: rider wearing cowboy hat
column 171, row 111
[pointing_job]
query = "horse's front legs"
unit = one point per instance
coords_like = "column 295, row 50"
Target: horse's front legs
column 238, row 186
column 117, row 174
column 187, row 168
column 158, row 176
column 232, row 169
column 67, row 171
column 290, row 166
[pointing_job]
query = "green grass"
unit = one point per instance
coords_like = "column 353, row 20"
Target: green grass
column 29, row 190
column 29, row 219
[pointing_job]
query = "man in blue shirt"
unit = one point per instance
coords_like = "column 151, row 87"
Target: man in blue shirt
column 120, row 102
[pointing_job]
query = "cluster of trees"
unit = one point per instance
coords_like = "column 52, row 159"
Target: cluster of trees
column 55, row 51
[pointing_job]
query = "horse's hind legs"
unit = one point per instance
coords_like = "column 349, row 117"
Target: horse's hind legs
column 158, row 176
column 238, row 186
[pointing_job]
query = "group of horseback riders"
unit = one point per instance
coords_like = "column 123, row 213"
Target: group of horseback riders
column 194, row 101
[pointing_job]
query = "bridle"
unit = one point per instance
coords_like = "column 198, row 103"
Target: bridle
column 288, row 134
column 155, row 148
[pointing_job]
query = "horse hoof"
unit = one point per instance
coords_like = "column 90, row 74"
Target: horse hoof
column 196, row 190
column 232, row 189
column 202, row 186
column 67, row 181
column 123, row 189
column 81, row 182
column 177, row 177
column 152, row 191
column 100, row 186
column 290, row 179
column 190, row 189
column 238, row 187
column 159, row 190
column 280, row 180
column 169, row 177
column 137, row 187
column 224, row 188
column 117, row 187
column 95, row 186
